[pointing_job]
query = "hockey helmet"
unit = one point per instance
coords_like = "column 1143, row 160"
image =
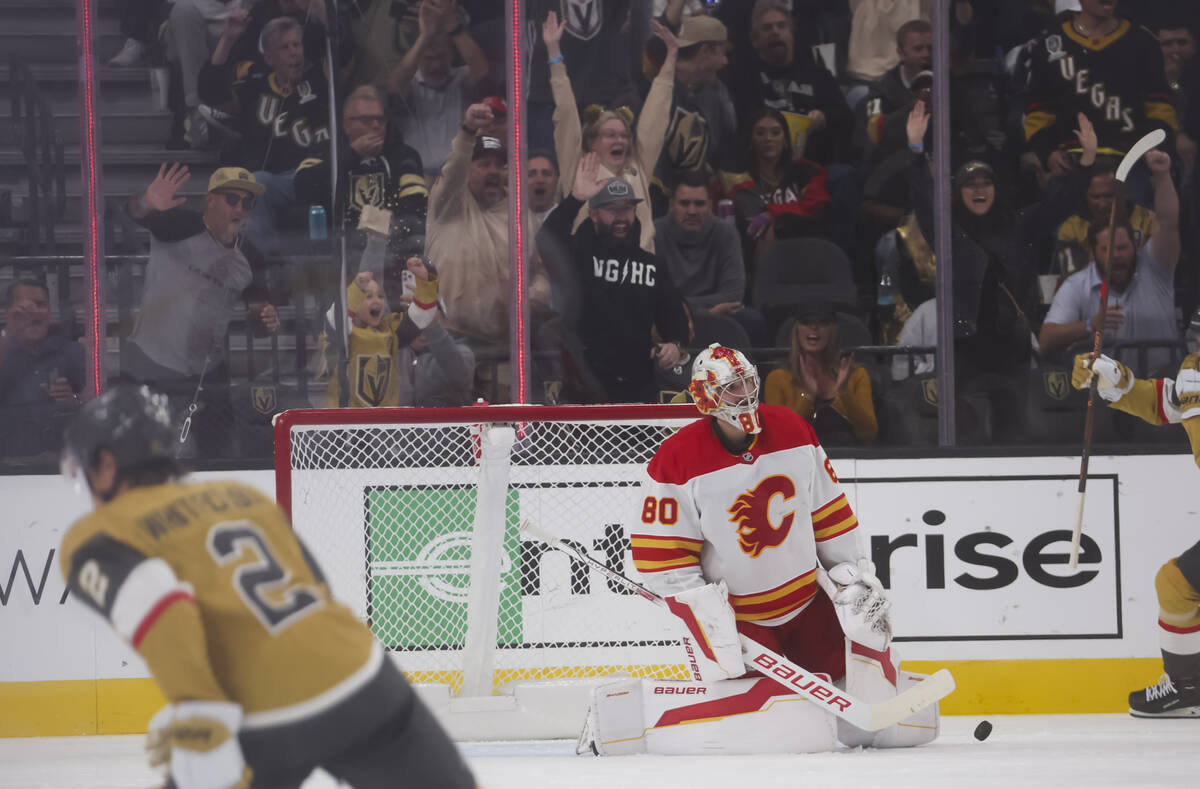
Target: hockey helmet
column 725, row 385
column 129, row 420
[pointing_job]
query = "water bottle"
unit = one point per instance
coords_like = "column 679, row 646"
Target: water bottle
column 1193, row 332
column 317, row 230
column 885, row 296
column 725, row 210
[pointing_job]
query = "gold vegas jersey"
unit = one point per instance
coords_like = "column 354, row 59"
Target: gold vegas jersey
column 277, row 643
column 759, row 520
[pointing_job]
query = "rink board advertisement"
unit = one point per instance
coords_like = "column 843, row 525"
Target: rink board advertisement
column 973, row 551
column 965, row 559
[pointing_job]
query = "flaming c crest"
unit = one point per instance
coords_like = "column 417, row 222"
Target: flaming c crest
column 750, row 511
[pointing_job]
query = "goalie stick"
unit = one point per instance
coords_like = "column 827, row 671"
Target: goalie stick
column 1139, row 149
column 797, row 679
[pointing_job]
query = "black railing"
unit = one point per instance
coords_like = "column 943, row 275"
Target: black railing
column 41, row 145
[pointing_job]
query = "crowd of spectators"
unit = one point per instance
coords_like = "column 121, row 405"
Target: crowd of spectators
column 756, row 172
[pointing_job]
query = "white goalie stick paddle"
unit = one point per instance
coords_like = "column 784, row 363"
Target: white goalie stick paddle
column 797, row 679
column 1139, row 149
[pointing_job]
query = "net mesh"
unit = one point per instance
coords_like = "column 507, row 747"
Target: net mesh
column 389, row 512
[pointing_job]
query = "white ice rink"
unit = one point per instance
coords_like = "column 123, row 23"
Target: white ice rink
column 1024, row 752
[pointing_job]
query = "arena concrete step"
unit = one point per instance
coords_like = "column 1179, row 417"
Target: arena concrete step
column 59, row 83
column 40, row 46
column 121, row 123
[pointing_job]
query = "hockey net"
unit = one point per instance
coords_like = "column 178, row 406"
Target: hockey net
column 414, row 516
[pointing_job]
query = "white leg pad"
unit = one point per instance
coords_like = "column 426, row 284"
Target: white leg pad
column 870, row 676
column 738, row 716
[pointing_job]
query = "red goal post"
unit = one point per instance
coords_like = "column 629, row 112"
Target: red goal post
column 413, row 515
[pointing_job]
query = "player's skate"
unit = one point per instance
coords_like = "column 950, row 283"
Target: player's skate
column 1166, row 700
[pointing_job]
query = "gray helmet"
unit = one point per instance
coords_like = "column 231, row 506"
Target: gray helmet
column 129, row 420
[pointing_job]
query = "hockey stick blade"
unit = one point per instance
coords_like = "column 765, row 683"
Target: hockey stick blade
column 933, row 688
column 865, row 715
column 538, row 533
column 797, row 679
column 1139, row 149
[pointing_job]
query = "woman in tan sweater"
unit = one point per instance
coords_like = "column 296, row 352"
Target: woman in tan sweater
column 823, row 386
column 610, row 133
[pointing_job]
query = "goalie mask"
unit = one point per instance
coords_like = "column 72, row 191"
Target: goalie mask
column 725, row 385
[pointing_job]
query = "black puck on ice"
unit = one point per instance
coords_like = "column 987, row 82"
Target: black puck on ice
column 983, row 730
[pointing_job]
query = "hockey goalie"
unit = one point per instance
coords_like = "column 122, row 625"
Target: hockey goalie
column 744, row 529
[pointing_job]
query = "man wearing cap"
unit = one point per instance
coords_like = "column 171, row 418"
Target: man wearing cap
column 623, row 291
column 792, row 81
column 702, row 125
column 200, row 267
column 433, row 92
column 466, row 235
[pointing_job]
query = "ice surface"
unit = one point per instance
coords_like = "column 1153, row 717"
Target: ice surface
column 1024, row 752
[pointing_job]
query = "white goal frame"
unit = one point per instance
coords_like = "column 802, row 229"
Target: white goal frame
column 477, row 706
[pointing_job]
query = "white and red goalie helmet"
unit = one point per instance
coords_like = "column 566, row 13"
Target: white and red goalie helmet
column 725, row 385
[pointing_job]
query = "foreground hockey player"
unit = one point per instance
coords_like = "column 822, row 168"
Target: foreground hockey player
column 743, row 528
column 265, row 675
column 1159, row 402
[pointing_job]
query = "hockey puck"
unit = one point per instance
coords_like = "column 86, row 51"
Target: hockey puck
column 983, row 730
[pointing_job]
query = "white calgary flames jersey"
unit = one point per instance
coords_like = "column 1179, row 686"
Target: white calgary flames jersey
column 759, row 520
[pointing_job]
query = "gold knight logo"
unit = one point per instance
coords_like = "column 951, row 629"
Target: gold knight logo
column 264, row 400
column 367, row 189
column 374, row 376
column 1055, row 384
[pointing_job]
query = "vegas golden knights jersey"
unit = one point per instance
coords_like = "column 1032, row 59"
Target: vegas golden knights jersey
column 372, row 358
column 276, row 641
column 1117, row 81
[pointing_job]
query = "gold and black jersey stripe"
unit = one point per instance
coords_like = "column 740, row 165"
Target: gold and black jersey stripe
column 1116, row 80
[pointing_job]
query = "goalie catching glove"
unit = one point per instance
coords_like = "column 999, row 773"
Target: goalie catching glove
column 859, row 601
column 712, row 627
column 1115, row 379
column 197, row 741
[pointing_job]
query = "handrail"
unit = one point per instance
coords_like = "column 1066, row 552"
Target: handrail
column 41, row 145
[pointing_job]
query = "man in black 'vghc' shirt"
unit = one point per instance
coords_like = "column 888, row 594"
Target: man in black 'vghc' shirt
column 622, row 290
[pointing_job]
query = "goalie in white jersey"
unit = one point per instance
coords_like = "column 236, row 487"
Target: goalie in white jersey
column 744, row 528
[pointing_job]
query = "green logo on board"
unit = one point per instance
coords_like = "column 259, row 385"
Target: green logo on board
column 419, row 565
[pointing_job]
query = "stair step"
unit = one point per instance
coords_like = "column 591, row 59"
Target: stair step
column 118, row 126
column 51, row 20
column 40, row 47
column 59, row 83
column 113, row 156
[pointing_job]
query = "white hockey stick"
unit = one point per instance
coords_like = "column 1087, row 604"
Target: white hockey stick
column 1137, row 151
column 798, row 680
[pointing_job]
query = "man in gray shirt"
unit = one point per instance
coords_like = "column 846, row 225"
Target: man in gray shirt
column 200, row 268
column 704, row 256
column 1141, row 295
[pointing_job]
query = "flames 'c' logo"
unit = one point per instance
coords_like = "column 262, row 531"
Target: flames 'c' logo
column 751, row 510
column 730, row 356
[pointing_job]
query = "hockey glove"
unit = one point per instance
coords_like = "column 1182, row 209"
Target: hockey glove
column 712, row 627
column 1186, row 389
column 1115, row 378
column 859, row 601
column 197, row 742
